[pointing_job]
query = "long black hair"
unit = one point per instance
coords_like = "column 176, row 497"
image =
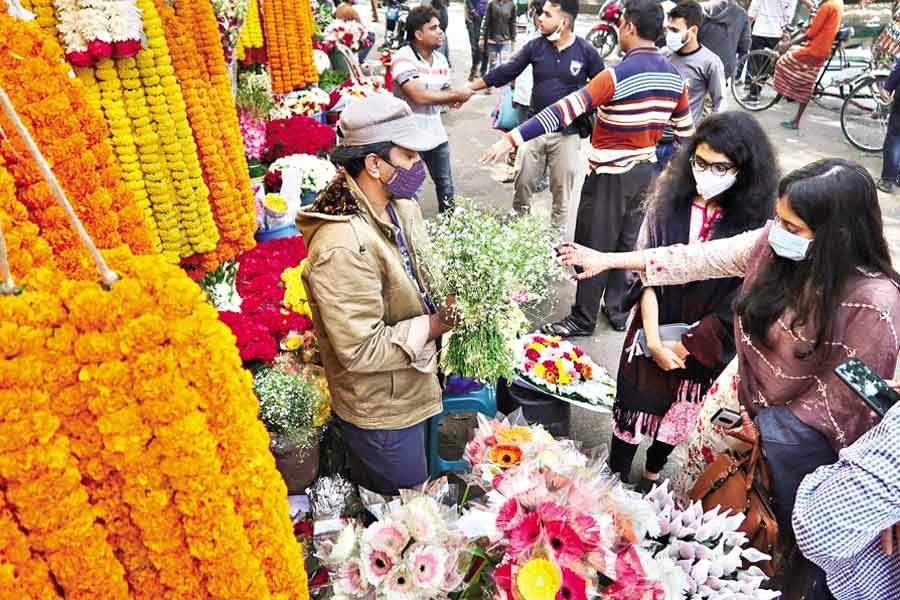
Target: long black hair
column 749, row 203
column 838, row 201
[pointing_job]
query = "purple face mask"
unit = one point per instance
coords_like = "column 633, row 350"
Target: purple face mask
column 406, row 183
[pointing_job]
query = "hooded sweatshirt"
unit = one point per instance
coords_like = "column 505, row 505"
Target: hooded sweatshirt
column 726, row 31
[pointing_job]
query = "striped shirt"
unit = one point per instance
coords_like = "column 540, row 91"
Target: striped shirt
column 841, row 510
column 634, row 100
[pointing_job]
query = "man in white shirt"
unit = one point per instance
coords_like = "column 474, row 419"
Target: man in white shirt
column 767, row 21
column 421, row 77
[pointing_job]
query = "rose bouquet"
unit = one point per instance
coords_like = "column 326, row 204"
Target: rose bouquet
column 264, row 322
column 315, row 172
column 492, row 267
column 351, row 34
column 412, row 552
column 296, row 135
column 563, row 369
column 253, row 134
column 707, row 548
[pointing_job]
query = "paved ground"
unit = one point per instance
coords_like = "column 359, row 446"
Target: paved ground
column 470, row 133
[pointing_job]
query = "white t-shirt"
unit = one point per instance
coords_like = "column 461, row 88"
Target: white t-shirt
column 771, row 16
column 406, row 65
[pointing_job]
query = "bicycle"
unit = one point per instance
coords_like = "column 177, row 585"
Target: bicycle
column 864, row 114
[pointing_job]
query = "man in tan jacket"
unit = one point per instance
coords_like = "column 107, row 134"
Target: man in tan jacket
column 375, row 323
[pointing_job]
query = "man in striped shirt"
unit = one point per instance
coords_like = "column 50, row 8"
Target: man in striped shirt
column 634, row 101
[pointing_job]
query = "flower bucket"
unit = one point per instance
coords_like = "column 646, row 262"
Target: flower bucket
column 264, row 235
column 339, row 61
column 257, row 170
column 537, row 407
column 308, row 198
column 299, row 467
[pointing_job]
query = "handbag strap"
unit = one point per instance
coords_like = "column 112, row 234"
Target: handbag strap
column 751, row 464
column 109, row 277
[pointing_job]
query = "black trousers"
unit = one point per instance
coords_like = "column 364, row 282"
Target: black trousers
column 754, row 64
column 609, row 217
column 621, row 455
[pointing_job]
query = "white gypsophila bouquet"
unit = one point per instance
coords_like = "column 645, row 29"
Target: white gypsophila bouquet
column 492, row 267
column 315, row 172
column 707, row 547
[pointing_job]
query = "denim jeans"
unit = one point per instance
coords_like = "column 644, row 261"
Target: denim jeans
column 890, row 167
column 498, row 53
column 438, row 163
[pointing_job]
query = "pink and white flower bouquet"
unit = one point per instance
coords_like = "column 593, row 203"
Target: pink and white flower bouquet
column 504, row 442
column 412, row 552
column 350, row 34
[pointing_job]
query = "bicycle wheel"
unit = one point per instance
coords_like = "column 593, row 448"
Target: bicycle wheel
column 864, row 115
column 754, row 80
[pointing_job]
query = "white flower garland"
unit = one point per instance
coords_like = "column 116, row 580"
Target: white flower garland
column 95, row 29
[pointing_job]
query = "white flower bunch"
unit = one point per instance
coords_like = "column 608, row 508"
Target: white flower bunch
column 707, row 547
column 86, row 22
column 351, row 34
column 487, row 263
column 321, row 60
column 306, row 102
column 316, row 173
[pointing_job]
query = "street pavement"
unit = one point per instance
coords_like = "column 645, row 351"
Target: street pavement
column 470, row 133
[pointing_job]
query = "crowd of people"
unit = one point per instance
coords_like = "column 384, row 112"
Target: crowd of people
column 738, row 288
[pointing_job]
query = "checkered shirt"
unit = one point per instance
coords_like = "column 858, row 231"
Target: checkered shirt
column 842, row 508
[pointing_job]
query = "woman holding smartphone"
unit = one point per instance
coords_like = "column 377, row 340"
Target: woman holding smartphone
column 818, row 289
column 720, row 184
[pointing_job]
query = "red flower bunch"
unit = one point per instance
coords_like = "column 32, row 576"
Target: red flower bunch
column 325, row 46
column 264, row 321
column 298, row 134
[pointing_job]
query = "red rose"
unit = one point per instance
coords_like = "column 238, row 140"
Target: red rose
column 532, row 354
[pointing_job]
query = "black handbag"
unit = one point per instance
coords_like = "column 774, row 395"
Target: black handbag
column 584, row 124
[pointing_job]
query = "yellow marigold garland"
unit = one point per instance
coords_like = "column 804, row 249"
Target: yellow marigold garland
column 44, row 14
column 251, row 33
column 54, row 107
column 26, row 249
column 191, row 466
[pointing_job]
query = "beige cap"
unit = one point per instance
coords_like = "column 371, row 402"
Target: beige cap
column 384, row 118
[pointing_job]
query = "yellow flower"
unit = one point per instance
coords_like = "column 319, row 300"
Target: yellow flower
column 538, row 579
column 514, row 435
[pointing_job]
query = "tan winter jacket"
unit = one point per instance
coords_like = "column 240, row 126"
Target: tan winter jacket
column 369, row 316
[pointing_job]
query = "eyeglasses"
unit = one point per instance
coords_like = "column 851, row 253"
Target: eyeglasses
column 717, row 168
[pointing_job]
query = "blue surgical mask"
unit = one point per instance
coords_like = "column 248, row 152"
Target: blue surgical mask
column 786, row 244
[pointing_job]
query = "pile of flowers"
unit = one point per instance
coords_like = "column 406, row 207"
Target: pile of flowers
column 492, row 266
column 561, row 368
column 707, row 547
column 93, row 31
column 323, row 15
column 296, row 135
column 305, row 102
column 264, row 322
column 411, row 552
column 351, row 90
column 351, row 34
column 316, row 173
column 293, row 405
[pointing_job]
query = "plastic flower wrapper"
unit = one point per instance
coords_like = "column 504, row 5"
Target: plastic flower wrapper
column 221, row 290
column 707, row 546
column 559, row 367
column 484, row 262
column 328, row 497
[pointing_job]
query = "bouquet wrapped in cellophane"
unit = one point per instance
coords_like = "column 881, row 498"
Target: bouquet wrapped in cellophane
column 493, row 267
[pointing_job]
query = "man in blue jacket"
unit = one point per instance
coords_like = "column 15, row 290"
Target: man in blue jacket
column 562, row 63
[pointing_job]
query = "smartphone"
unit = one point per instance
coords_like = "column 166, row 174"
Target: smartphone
column 726, row 418
column 868, row 385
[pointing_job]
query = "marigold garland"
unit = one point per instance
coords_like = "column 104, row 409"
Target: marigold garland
column 54, row 106
column 181, row 486
column 25, row 248
column 44, row 14
column 251, row 32
column 289, row 27
column 23, row 572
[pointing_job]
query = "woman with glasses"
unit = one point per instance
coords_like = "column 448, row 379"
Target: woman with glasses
column 818, row 289
column 720, row 184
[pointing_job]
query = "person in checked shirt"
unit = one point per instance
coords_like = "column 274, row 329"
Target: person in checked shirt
column 847, row 513
column 634, row 100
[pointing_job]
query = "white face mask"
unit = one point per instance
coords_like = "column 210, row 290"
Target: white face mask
column 554, row 37
column 710, row 185
column 675, row 41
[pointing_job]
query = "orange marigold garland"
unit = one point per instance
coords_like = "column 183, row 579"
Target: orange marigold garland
column 26, row 249
column 23, row 572
column 54, row 107
column 289, row 26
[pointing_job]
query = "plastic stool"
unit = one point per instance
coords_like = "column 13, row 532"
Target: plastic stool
column 482, row 400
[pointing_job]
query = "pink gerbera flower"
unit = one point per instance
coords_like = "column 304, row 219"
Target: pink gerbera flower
column 428, row 565
column 509, row 514
column 376, row 565
column 400, row 583
column 573, row 586
column 526, row 534
column 350, row 578
column 564, row 541
column 388, row 536
column 551, row 511
column 585, row 526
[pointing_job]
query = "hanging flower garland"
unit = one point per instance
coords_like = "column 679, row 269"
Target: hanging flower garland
column 44, row 14
column 26, row 249
column 53, row 106
column 289, row 26
column 251, row 34
column 92, row 30
column 198, row 18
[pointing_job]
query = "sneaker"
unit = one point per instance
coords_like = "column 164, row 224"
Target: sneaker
column 566, row 328
column 885, row 186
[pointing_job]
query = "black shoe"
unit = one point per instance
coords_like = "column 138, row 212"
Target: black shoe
column 645, row 485
column 885, row 186
column 616, row 324
column 750, row 98
column 566, row 328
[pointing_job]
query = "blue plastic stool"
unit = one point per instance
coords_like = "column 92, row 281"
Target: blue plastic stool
column 482, row 400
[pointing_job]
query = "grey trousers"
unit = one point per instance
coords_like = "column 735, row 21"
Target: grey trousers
column 609, row 217
column 560, row 153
